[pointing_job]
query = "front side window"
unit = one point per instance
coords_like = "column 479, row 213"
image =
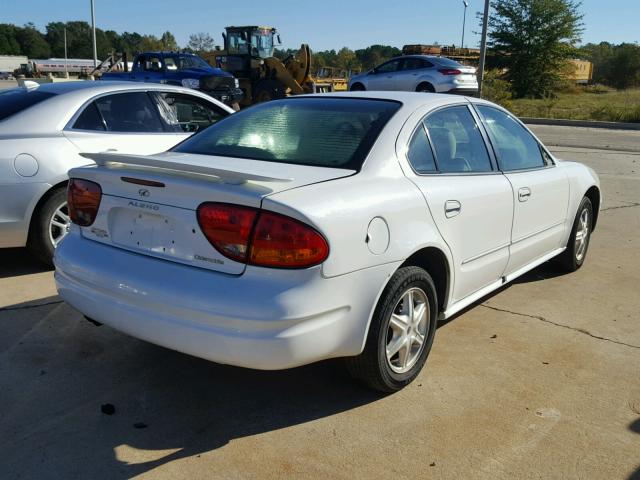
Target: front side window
column 388, row 67
column 238, row 43
column 419, row 153
column 186, row 113
column 515, row 148
column 16, row 100
column 457, row 141
column 325, row 132
column 132, row 112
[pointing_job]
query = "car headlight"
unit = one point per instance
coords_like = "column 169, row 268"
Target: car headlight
column 191, row 82
column 236, row 82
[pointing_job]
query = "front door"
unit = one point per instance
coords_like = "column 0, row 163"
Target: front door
column 540, row 191
column 470, row 202
column 384, row 76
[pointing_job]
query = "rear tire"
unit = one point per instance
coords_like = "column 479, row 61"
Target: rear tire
column 357, row 87
column 573, row 257
column 425, row 88
column 49, row 225
column 401, row 332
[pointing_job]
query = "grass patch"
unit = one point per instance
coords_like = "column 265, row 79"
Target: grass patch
column 591, row 103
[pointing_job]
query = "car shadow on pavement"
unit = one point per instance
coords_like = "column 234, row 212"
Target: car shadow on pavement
column 635, row 427
column 15, row 262
column 59, row 375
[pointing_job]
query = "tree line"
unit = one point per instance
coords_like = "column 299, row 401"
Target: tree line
column 529, row 40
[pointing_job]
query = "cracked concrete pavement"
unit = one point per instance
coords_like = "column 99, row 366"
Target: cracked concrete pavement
column 539, row 380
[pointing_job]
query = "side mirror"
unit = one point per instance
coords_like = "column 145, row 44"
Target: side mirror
column 224, row 39
column 279, row 41
column 372, row 72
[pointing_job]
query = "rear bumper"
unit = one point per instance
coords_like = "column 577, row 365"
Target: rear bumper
column 17, row 201
column 264, row 319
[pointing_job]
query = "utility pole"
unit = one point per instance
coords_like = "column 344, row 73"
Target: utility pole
column 66, row 71
column 464, row 20
column 93, row 29
column 483, row 46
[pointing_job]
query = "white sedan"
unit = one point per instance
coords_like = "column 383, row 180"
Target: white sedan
column 341, row 225
column 43, row 129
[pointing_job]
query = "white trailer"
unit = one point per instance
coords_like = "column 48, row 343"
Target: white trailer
column 9, row 63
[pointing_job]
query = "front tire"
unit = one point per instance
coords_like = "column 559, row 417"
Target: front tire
column 425, row 88
column 357, row 87
column 267, row 90
column 401, row 332
column 573, row 257
column 49, row 226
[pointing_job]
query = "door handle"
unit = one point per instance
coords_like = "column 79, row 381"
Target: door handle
column 523, row 194
column 452, row 208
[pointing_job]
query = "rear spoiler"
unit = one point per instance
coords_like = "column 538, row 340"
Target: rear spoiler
column 185, row 165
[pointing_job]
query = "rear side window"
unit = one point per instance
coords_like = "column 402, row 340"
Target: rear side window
column 90, row 119
column 457, row 141
column 18, row 99
column 420, row 154
column 132, row 112
column 515, row 148
column 326, row 132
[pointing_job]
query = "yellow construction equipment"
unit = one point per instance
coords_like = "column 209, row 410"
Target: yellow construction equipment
column 248, row 55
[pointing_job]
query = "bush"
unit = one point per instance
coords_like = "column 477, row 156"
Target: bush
column 496, row 89
column 597, row 89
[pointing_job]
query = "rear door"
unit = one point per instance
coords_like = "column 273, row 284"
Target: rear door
column 540, row 190
column 384, row 77
column 412, row 69
column 470, row 201
column 127, row 122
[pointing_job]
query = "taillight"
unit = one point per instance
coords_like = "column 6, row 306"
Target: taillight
column 280, row 241
column 261, row 238
column 83, row 199
column 227, row 227
column 449, row 71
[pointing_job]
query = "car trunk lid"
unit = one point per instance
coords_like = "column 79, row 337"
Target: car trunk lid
column 149, row 203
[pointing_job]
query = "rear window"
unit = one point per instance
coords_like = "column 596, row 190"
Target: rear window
column 447, row 62
column 326, row 132
column 18, row 99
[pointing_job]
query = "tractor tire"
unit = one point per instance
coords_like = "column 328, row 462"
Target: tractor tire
column 267, row 90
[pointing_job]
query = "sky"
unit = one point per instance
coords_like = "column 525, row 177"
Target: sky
column 327, row 24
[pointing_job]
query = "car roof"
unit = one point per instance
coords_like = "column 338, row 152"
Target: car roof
column 91, row 88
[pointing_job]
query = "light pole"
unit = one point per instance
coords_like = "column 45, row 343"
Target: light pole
column 464, row 20
column 93, row 32
column 483, row 46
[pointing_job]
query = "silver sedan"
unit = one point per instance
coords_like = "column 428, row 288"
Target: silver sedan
column 418, row 73
column 44, row 128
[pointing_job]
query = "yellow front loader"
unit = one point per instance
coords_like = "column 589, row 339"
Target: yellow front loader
column 248, row 55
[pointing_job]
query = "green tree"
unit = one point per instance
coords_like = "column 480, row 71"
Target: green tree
column 169, row 41
column 534, row 39
column 9, row 44
column 32, row 42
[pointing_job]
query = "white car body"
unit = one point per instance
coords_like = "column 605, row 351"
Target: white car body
column 39, row 145
column 375, row 220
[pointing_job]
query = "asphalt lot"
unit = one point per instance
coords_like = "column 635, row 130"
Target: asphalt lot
column 540, row 380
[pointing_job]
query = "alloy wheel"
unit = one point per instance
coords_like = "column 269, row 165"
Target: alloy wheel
column 59, row 224
column 407, row 331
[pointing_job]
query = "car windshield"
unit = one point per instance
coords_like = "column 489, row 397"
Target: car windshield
column 325, row 132
column 18, row 99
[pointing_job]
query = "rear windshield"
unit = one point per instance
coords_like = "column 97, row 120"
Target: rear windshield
column 18, row 99
column 447, row 62
column 325, row 132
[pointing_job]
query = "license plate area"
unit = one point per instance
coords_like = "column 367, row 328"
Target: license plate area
column 157, row 230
